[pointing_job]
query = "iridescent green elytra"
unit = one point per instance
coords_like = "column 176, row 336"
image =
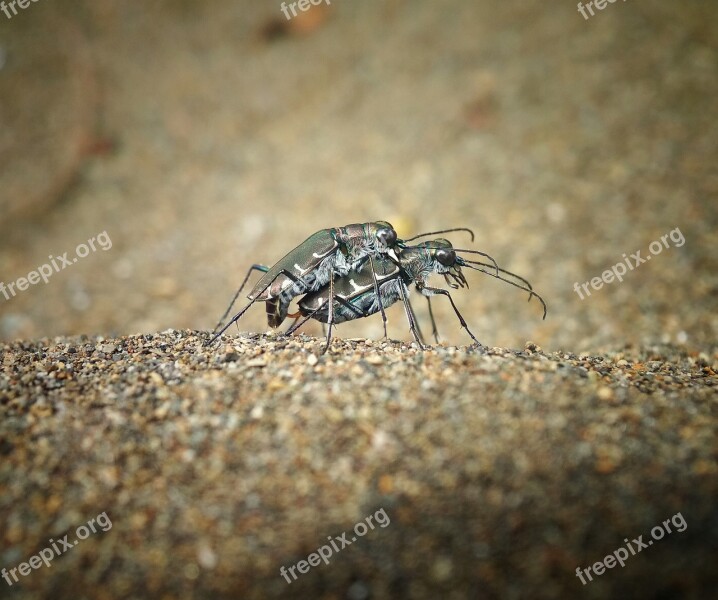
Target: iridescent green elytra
column 322, row 257
column 324, row 254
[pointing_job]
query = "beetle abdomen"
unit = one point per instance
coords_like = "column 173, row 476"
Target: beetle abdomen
column 274, row 312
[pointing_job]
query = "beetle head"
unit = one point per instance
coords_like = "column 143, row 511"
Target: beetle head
column 445, row 262
column 385, row 234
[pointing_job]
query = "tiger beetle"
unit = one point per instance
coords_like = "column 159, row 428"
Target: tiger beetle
column 324, row 256
column 355, row 295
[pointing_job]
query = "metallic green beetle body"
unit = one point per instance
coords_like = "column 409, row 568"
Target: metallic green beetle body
column 355, row 295
column 323, row 260
column 326, row 254
column 357, row 290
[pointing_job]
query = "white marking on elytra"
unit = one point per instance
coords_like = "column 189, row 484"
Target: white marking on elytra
column 301, row 271
column 357, row 288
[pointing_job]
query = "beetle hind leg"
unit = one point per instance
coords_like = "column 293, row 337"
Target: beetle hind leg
column 293, row 327
column 281, row 310
column 261, row 269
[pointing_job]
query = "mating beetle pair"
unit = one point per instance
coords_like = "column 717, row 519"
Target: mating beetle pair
column 355, row 296
column 330, row 268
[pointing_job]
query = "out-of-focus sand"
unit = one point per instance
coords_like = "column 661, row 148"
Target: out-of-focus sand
column 500, row 472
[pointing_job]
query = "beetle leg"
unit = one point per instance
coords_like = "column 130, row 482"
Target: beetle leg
column 357, row 311
column 297, row 324
column 434, row 330
column 296, row 316
column 236, row 317
column 330, row 320
column 376, row 292
column 260, row 268
column 416, row 321
column 430, row 291
column 409, row 313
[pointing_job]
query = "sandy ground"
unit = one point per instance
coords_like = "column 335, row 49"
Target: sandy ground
column 498, row 473
column 564, row 143
column 199, row 139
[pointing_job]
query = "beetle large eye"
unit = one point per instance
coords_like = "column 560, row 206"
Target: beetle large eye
column 446, row 257
column 386, row 236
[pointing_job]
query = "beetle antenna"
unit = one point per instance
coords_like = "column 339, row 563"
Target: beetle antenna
column 521, row 279
column 442, row 231
column 521, row 287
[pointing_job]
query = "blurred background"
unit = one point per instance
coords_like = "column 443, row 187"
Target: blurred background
column 204, row 137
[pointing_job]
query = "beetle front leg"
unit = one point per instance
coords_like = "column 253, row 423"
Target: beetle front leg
column 430, row 291
column 434, row 330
